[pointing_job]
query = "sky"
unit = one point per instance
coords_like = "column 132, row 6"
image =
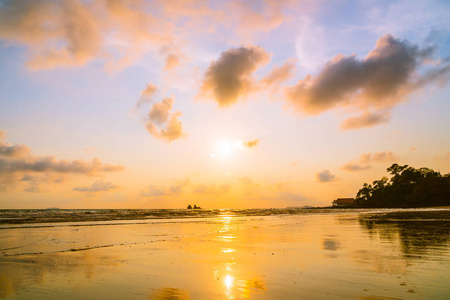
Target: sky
column 222, row 104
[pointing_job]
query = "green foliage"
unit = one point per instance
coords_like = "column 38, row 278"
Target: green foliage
column 408, row 187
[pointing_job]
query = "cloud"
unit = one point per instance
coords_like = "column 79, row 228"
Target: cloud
column 73, row 32
column 212, row 189
column 251, row 144
column 98, row 186
column 380, row 81
column 265, row 16
column 59, row 33
column 172, row 61
column 325, row 176
column 2, row 135
column 160, row 116
column 442, row 157
column 146, row 95
column 34, row 182
column 292, row 197
column 18, row 165
column 246, row 181
column 355, row 167
column 155, row 191
column 50, row 164
column 229, row 78
column 378, row 157
column 366, row 120
column 279, row 74
column 367, row 158
column 9, row 150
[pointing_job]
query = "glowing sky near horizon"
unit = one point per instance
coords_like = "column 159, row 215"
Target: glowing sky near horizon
column 227, row 104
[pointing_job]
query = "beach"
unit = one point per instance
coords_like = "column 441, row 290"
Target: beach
column 310, row 254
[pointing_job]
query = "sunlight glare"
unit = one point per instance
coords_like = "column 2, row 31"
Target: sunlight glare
column 229, row 281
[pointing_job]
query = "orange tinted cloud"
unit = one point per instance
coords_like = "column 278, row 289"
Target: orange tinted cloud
column 172, row 61
column 266, row 15
column 251, row 144
column 162, row 123
column 229, row 78
column 366, row 120
column 367, row 158
column 385, row 156
column 73, row 32
column 279, row 74
column 147, row 95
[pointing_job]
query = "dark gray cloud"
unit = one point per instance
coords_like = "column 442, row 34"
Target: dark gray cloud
column 378, row 82
column 325, row 176
column 9, row 150
column 50, row 164
column 17, row 165
column 229, row 78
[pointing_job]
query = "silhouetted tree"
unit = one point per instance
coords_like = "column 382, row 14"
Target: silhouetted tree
column 408, row 187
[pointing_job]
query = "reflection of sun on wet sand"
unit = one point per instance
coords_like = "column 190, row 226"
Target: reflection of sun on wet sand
column 332, row 255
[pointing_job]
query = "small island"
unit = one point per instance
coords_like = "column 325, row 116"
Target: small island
column 195, row 207
column 407, row 187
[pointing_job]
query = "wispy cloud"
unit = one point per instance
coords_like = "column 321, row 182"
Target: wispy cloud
column 212, row 189
column 98, row 186
column 367, row 119
column 155, row 191
column 367, row 158
column 279, row 74
column 385, row 156
column 146, row 95
column 355, row 167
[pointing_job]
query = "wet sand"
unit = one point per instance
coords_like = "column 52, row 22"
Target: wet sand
column 333, row 255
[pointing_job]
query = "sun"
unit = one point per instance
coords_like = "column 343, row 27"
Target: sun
column 224, row 148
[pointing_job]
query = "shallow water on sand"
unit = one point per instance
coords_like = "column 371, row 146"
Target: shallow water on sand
column 339, row 254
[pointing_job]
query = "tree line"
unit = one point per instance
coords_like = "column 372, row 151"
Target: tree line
column 407, row 187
